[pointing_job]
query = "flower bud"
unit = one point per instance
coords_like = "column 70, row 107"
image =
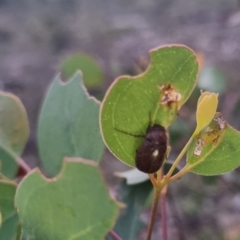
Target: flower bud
column 206, row 109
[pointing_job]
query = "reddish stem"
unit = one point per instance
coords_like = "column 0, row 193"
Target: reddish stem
column 114, row 235
column 23, row 165
column 153, row 213
column 164, row 216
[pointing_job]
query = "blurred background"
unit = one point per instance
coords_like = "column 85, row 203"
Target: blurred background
column 108, row 38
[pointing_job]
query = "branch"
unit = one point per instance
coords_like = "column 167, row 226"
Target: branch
column 153, row 213
column 23, row 165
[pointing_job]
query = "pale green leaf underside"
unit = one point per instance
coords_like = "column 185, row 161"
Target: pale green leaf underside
column 76, row 205
column 68, row 125
column 130, row 100
column 219, row 158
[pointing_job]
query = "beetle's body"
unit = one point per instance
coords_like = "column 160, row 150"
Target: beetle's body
column 151, row 153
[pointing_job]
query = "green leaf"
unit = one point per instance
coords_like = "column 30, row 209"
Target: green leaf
column 9, row 164
column 68, row 125
column 7, row 193
column 130, row 100
column 92, row 72
column 14, row 132
column 11, row 230
column 134, row 196
column 10, row 223
column 217, row 150
column 74, row 205
column 5, row 179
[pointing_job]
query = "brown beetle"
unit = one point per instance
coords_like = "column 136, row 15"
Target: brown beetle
column 151, row 153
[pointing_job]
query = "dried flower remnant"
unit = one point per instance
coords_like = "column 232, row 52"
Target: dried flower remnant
column 220, row 121
column 198, row 149
column 212, row 136
column 214, row 132
column 169, row 95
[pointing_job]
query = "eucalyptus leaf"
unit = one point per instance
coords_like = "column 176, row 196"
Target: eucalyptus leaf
column 9, row 217
column 74, row 205
column 132, row 103
column 219, row 152
column 14, row 132
column 68, row 125
column 92, row 72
